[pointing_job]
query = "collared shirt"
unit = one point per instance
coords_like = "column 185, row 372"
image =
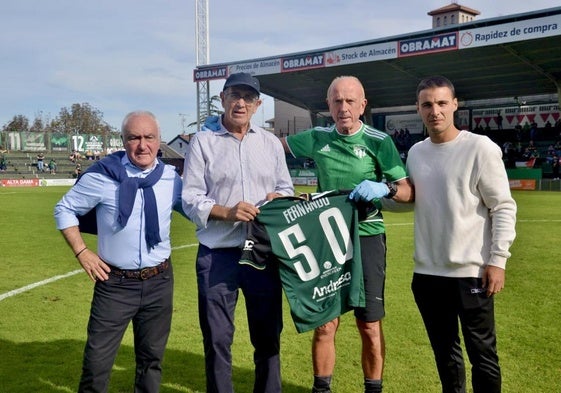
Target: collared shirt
column 124, row 248
column 221, row 169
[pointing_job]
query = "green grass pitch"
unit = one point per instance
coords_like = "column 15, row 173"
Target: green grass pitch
column 45, row 298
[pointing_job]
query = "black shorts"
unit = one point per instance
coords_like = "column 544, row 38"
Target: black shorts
column 373, row 253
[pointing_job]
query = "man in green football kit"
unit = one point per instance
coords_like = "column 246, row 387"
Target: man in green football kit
column 353, row 155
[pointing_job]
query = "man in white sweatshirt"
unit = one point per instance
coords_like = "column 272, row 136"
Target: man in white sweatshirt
column 464, row 226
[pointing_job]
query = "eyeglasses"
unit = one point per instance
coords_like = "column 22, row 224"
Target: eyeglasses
column 249, row 99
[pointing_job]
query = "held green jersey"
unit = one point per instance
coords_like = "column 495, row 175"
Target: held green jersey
column 343, row 161
column 317, row 247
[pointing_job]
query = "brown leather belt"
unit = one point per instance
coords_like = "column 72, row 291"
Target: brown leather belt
column 141, row 274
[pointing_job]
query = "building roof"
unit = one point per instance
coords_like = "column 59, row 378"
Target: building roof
column 516, row 55
column 453, row 7
column 183, row 137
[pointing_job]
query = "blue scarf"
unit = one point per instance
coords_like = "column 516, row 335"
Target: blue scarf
column 112, row 167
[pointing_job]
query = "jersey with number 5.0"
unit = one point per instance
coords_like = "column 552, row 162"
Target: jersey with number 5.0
column 317, row 246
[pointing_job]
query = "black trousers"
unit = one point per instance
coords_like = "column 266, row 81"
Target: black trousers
column 442, row 301
column 116, row 302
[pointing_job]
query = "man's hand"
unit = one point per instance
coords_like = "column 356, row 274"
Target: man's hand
column 272, row 195
column 493, row 280
column 368, row 190
column 243, row 211
column 96, row 269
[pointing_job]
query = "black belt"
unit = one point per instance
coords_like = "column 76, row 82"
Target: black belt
column 141, row 274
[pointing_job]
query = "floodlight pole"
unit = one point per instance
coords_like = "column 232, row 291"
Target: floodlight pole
column 203, row 56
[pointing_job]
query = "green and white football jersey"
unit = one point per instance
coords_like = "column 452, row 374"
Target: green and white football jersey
column 317, row 246
column 343, row 161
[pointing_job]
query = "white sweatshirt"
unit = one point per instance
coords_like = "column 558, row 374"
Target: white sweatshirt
column 464, row 213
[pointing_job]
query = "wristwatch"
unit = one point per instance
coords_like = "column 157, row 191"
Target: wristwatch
column 393, row 190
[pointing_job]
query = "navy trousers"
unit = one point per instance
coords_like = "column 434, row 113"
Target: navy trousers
column 116, row 302
column 442, row 302
column 219, row 279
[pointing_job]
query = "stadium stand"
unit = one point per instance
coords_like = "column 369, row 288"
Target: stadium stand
column 23, row 164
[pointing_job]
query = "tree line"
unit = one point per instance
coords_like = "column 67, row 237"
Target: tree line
column 77, row 119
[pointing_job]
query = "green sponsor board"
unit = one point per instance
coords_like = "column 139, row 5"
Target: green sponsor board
column 114, row 143
column 33, row 141
column 59, row 141
column 93, row 143
column 86, row 142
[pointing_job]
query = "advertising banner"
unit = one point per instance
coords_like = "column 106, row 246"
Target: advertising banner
column 542, row 116
column 361, row 54
column 20, row 182
column 510, row 32
column 33, row 141
column 114, row 143
column 59, row 141
column 522, row 184
column 93, row 143
column 409, row 121
column 261, row 67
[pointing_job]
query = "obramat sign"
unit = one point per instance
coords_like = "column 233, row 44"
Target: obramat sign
column 303, row 62
column 424, row 45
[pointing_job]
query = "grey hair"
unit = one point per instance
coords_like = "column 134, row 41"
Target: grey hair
column 138, row 113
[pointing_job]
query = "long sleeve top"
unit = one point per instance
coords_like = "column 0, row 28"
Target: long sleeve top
column 464, row 213
column 122, row 247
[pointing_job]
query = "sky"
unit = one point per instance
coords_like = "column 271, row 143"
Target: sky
column 124, row 55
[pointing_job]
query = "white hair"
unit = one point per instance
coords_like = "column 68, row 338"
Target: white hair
column 138, row 113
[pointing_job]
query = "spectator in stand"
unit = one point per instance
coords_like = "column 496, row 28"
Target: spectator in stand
column 3, row 164
column 408, row 139
column 533, row 131
column 557, row 147
column 509, row 154
column 555, row 166
column 52, row 166
column 77, row 171
column 532, row 148
column 41, row 162
column 499, row 121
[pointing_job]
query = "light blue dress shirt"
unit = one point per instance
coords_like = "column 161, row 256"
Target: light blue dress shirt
column 124, row 248
column 221, row 169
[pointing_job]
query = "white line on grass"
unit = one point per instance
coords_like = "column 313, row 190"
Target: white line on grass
column 37, row 284
column 59, row 277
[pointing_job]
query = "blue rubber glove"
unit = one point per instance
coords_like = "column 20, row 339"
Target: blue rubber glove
column 212, row 123
column 368, row 190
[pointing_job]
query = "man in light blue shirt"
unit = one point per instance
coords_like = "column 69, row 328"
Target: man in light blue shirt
column 132, row 194
column 228, row 173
